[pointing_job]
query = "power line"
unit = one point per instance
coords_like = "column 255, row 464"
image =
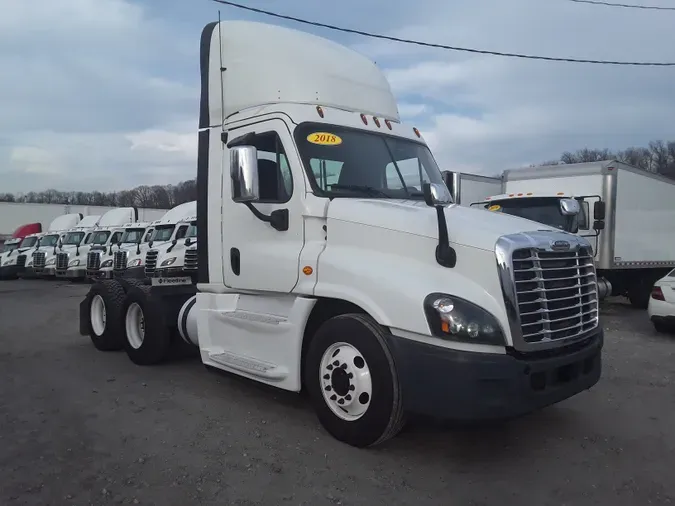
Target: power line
column 442, row 46
column 624, row 6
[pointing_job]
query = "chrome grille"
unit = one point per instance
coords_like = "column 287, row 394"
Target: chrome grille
column 21, row 261
column 61, row 261
column 120, row 260
column 190, row 260
column 150, row 262
column 555, row 292
column 93, row 260
column 39, row 259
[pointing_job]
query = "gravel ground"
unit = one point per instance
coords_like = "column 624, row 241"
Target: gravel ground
column 81, row 427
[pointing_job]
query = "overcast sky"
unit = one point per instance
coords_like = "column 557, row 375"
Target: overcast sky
column 103, row 94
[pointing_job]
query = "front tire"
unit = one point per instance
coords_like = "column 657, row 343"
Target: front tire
column 352, row 381
column 105, row 305
column 147, row 339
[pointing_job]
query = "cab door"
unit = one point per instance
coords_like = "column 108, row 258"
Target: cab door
column 257, row 256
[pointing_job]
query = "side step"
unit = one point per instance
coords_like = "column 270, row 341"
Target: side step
column 258, row 368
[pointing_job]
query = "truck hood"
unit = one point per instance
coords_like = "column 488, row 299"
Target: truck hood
column 469, row 227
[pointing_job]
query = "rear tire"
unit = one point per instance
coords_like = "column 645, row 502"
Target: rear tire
column 106, row 300
column 147, row 340
column 352, row 381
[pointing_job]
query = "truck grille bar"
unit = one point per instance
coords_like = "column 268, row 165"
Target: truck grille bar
column 39, row 260
column 120, row 260
column 93, row 260
column 550, row 288
column 190, row 260
column 61, row 262
column 151, row 262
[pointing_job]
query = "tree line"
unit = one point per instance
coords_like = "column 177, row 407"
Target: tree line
column 153, row 197
column 658, row 157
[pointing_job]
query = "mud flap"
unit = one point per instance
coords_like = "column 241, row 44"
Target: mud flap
column 85, row 327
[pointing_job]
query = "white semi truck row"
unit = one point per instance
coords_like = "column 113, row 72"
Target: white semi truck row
column 332, row 259
column 627, row 214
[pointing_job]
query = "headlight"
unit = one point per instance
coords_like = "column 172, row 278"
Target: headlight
column 134, row 263
column 9, row 262
column 460, row 320
column 74, row 263
column 107, row 263
column 168, row 261
column 51, row 261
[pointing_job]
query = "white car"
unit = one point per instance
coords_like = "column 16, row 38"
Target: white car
column 661, row 307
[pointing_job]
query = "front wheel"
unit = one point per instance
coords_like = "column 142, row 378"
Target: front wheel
column 352, row 381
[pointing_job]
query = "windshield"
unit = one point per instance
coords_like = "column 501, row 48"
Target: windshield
column 148, row 235
column 73, row 238
column 671, row 274
column 28, row 242
column 100, row 237
column 49, row 240
column 133, row 235
column 542, row 210
column 192, row 231
column 10, row 247
column 163, row 233
column 347, row 162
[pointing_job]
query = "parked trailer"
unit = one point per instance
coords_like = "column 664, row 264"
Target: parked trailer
column 376, row 299
column 627, row 214
column 467, row 188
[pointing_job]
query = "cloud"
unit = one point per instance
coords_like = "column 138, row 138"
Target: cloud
column 103, row 94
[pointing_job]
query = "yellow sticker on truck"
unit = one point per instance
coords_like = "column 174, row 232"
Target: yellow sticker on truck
column 324, row 139
column 494, row 208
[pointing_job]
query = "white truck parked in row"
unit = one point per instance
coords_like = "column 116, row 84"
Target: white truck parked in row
column 71, row 260
column 131, row 261
column 123, row 239
column 627, row 214
column 13, row 261
column 36, row 264
column 379, row 299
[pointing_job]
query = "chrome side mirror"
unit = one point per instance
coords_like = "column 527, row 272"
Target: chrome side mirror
column 244, row 174
column 436, row 194
column 569, row 207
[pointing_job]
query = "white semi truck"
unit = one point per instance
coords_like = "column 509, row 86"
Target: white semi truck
column 49, row 242
column 626, row 213
column 378, row 299
column 165, row 231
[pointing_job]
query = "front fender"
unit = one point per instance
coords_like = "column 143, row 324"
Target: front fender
column 391, row 285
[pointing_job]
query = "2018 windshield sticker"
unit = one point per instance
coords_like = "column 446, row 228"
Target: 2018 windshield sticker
column 494, row 207
column 324, row 139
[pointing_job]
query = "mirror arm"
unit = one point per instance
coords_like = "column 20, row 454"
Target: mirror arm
column 278, row 219
column 446, row 255
column 173, row 243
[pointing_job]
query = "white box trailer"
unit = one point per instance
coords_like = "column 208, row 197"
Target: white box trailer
column 627, row 214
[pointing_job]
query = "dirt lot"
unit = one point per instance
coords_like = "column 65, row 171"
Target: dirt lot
column 81, row 427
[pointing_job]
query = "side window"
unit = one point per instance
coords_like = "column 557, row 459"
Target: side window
column 274, row 173
column 411, row 171
column 180, row 233
column 147, row 235
column 117, row 236
column 89, row 238
column 584, row 222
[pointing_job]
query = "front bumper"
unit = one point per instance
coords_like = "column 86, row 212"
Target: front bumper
column 137, row 272
column 463, row 386
column 27, row 272
column 666, row 321
column 100, row 274
column 10, row 271
column 72, row 273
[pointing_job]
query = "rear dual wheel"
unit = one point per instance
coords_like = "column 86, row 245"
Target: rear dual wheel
column 147, row 340
column 106, row 299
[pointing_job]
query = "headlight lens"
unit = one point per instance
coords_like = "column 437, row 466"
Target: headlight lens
column 107, row 263
column 51, row 261
column 9, row 262
column 457, row 319
column 168, row 261
column 74, row 263
column 134, row 263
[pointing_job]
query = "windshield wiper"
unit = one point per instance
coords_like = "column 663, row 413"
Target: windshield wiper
column 368, row 190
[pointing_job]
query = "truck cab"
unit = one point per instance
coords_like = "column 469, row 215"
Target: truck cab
column 333, row 260
column 560, row 211
column 13, row 261
column 72, row 251
column 170, row 258
column 164, row 231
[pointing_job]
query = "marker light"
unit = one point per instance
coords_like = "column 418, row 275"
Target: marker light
column 319, row 110
column 388, row 123
column 364, row 119
column 417, row 132
column 377, row 121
